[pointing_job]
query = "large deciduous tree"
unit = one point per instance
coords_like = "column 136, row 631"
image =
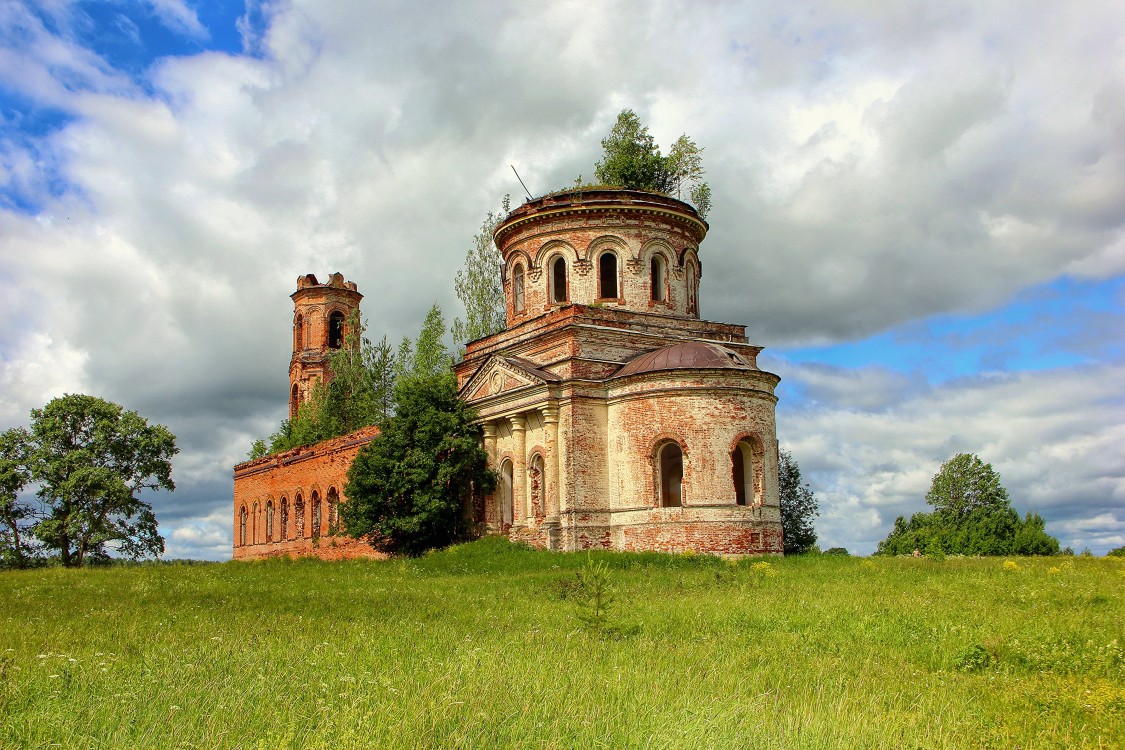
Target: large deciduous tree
column 412, row 487
column 972, row 516
column 799, row 506
column 90, row 459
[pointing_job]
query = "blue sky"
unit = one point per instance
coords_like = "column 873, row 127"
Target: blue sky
column 919, row 212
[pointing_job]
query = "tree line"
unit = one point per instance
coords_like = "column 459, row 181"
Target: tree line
column 972, row 516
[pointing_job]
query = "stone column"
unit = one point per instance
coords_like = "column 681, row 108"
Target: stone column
column 491, row 518
column 489, row 430
column 551, row 492
column 519, row 471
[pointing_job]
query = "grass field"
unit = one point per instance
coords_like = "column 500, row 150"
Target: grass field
column 481, row 646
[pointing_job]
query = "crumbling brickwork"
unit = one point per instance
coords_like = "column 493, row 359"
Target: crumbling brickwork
column 297, row 488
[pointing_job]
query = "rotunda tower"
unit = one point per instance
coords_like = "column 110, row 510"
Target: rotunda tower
column 612, row 248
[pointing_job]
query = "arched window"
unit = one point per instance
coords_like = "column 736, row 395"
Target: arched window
column 536, row 480
column 316, row 518
column 692, row 289
column 335, row 330
column 299, row 334
column 658, row 278
column 333, row 510
column 284, row 518
column 670, row 461
column 558, row 280
column 517, row 288
column 242, row 527
column 269, row 520
column 748, row 472
column 607, row 275
column 506, row 514
column 294, row 400
column 299, row 512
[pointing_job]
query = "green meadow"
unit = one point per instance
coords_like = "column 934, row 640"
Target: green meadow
column 482, row 646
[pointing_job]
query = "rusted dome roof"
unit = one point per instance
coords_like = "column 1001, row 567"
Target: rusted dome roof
column 689, row 355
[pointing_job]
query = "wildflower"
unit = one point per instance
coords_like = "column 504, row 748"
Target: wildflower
column 1010, row 565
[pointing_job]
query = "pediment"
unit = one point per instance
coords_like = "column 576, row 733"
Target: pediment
column 502, row 375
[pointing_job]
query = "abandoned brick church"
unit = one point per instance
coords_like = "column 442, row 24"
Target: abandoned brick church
column 614, row 417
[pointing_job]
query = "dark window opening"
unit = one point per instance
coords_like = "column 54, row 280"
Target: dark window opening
column 558, row 280
column 739, row 477
column 657, row 280
column 692, row 290
column 299, row 512
column 284, row 519
column 316, row 515
column 269, row 521
column 299, row 334
column 607, row 276
column 517, row 289
column 748, row 473
column 671, row 475
column 242, row 527
column 506, row 510
column 335, row 330
column 536, row 480
column 333, row 511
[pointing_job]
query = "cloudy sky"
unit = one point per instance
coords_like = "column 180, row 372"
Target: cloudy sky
column 919, row 209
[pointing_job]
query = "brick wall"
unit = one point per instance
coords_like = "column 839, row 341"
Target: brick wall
column 300, row 481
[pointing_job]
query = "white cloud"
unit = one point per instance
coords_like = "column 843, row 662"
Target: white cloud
column 178, row 16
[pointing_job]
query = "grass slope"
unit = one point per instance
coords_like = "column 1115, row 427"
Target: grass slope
column 480, row 646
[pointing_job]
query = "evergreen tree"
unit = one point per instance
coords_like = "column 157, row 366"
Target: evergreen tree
column 799, row 506
column 383, row 378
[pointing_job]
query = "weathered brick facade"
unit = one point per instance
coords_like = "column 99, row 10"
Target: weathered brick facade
column 322, row 318
column 289, row 503
column 614, row 416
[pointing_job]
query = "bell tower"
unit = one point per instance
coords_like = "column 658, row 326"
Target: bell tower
column 323, row 315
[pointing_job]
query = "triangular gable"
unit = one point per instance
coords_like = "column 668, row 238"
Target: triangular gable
column 503, row 374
